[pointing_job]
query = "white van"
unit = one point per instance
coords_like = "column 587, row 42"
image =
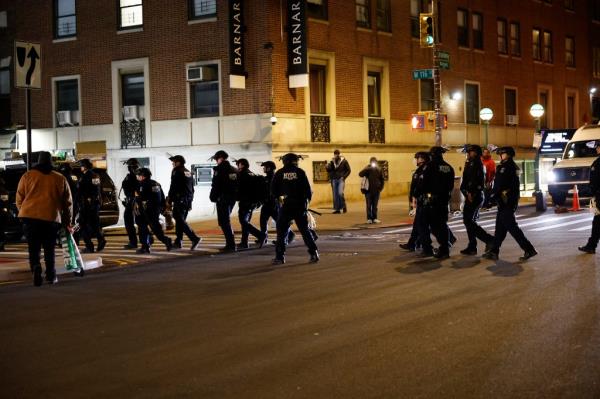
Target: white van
column 574, row 168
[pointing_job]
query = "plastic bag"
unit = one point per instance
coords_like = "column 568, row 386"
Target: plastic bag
column 71, row 255
column 593, row 207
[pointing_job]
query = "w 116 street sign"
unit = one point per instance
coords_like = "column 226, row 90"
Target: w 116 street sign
column 28, row 65
column 422, row 74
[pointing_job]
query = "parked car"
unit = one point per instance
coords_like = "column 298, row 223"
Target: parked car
column 109, row 209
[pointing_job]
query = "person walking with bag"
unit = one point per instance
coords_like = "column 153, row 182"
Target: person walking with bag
column 44, row 202
column 371, row 186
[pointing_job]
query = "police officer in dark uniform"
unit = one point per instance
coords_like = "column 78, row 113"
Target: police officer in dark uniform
column 223, row 193
column 439, row 180
column 291, row 183
column 150, row 204
column 270, row 207
column 507, row 193
column 592, row 243
column 472, row 187
column 130, row 187
column 424, row 196
column 89, row 193
column 4, row 203
column 181, row 196
column 421, row 158
column 248, row 201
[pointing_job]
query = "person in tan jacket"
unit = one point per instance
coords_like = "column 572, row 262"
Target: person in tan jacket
column 44, row 202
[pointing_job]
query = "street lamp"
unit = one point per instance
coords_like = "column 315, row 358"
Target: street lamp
column 537, row 111
column 486, row 114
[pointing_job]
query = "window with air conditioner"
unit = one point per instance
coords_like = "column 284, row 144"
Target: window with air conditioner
column 510, row 106
column 132, row 96
column 203, row 81
column 65, row 19
column 199, row 9
column 67, row 102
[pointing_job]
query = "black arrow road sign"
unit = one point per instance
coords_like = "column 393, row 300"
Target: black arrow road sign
column 33, row 55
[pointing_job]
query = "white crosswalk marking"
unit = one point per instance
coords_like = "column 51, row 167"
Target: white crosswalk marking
column 588, row 227
column 553, row 226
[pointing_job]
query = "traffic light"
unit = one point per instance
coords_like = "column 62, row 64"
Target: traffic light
column 427, row 34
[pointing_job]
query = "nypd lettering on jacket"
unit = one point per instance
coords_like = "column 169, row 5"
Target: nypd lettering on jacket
column 290, row 176
column 96, row 181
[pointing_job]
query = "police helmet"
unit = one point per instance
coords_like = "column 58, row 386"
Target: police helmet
column 475, row 148
column 220, row 154
column 178, row 158
column 132, row 162
column 437, row 151
column 506, row 150
column 290, row 158
column 86, row 163
column 424, row 155
column 269, row 164
column 243, row 161
column 144, row 172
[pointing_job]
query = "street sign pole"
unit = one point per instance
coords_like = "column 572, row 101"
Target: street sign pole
column 28, row 127
column 437, row 84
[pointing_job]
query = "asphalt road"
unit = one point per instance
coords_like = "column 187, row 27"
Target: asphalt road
column 368, row 321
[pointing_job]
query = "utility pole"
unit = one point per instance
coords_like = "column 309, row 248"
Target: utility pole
column 437, row 84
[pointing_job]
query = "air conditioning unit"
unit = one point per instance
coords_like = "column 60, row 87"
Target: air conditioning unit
column 130, row 113
column 512, row 119
column 75, row 118
column 202, row 72
column 63, row 118
column 194, row 74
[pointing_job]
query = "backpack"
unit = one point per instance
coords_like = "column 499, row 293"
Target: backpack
column 259, row 186
column 364, row 184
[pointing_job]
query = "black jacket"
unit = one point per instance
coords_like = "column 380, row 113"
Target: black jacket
column 440, row 180
column 89, row 189
column 151, row 197
column 375, row 177
column 247, row 194
column 340, row 170
column 268, row 197
column 595, row 179
column 506, row 185
column 473, row 179
column 224, row 183
column 181, row 190
column 130, row 186
column 291, row 183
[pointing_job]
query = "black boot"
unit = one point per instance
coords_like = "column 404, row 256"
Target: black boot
column 314, row 257
column 587, row 250
column 469, row 251
column 530, row 253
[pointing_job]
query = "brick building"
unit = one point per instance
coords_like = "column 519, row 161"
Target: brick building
column 152, row 78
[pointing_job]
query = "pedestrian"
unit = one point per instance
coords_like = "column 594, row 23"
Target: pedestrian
column 180, row 198
column 507, row 194
column 472, row 187
column 592, row 242
column 374, row 176
column 490, row 172
column 338, row 169
column 249, row 198
column 291, row 183
column 270, row 205
column 150, row 203
column 421, row 158
column 66, row 170
column 223, row 193
column 4, row 204
column 422, row 193
column 130, row 187
column 89, row 198
column 44, row 202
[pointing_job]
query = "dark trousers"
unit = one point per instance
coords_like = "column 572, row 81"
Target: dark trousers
column 89, row 223
column 423, row 229
column 506, row 223
column 224, row 209
column 129, row 219
column 470, row 216
column 437, row 217
column 488, row 201
column 372, row 198
column 180, row 212
column 41, row 234
column 149, row 220
column 270, row 210
column 245, row 216
column 595, row 237
column 298, row 215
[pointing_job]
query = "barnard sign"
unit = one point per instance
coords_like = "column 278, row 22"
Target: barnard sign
column 237, row 69
column 555, row 141
column 297, row 43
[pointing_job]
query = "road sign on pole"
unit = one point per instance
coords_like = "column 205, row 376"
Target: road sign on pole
column 28, row 65
column 444, row 59
column 422, row 74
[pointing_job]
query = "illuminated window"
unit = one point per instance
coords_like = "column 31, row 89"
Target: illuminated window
column 130, row 14
column 65, row 19
column 501, row 28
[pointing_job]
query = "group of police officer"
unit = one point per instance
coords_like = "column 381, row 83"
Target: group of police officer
column 431, row 189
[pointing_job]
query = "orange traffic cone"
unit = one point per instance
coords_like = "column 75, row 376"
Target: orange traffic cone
column 576, row 206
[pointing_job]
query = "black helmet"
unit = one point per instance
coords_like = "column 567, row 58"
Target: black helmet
column 437, row 151
column 144, row 172
column 220, row 154
column 290, row 158
column 243, row 161
column 178, row 158
column 86, row 163
column 269, row 164
column 475, row 148
column 132, row 162
column 423, row 154
column 506, row 150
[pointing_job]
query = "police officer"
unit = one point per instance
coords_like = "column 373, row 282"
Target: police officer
column 507, row 192
column 439, row 180
column 4, row 204
column 130, row 187
column 248, row 199
column 291, row 183
column 223, row 193
column 592, row 243
column 181, row 196
column 472, row 187
column 270, row 207
column 89, row 194
column 150, row 204
column 424, row 196
column 421, row 158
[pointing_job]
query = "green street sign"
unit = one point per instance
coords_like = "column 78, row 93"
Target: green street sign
column 422, row 74
column 444, row 59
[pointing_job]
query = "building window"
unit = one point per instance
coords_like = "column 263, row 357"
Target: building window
column 374, row 94
column 384, row 16
column 510, row 106
column 502, row 45
column 203, row 174
column 4, row 81
column 130, row 14
column 318, row 84
column 548, row 47
column 67, row 102
column 199, row 9
column 463, row 27
column 571, row 111
column 570, row 5
column 427, row 95
column 132, row 89
column 472, row 103
column 204, row 90
column 515, row 39
column 363, row 14
column 570, row 51
column 477, row 31
column 65, row 20
column 596, row 62
column 417, row 7
column 316, row 9
column 536, row 40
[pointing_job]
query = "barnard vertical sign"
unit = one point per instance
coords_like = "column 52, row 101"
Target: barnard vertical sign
column 297, row 43
column 237, row 69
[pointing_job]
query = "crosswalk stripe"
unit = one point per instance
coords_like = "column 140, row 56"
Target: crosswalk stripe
column 553, row 226
column 588, row 227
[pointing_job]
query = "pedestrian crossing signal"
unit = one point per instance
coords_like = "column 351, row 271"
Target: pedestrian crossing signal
column 427, row 34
